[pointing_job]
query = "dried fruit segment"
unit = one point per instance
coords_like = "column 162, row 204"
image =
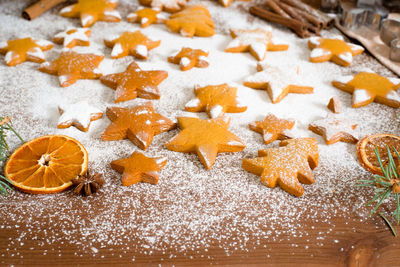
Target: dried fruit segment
column 46, row 164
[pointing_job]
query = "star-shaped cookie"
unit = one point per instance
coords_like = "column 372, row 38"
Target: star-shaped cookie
column 278, row 81
column 367, row 87
column 215, row 100
column 207, row 138
column 193, row 20
column 287, row 166
column 166, row 5
column 138, row 168
column 71, row 66
column 134, row 82
column 188, row 58
column 146, row 16
column 73, row 37
column 80, row 115
column 335, row 50
column 335, row 129
column 90, row 11
column 139, row 124
column 134, row 43
column 226, row 3
column 257, row 42
column 20, row 50
column 273, row 128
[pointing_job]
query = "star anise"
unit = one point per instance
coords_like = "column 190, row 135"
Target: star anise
column 88, row 184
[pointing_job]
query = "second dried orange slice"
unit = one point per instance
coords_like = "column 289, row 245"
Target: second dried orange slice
column 46, row 164
column 366, row 151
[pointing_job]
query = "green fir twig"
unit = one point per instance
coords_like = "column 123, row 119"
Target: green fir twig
column 5, row 128
column 386, row 186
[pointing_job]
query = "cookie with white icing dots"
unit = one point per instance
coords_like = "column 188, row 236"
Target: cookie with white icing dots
column 19, row 50
column 131, row 43
column 79, row 115
column 188, row 58
column 73, row 37
column 334, row 49
column 367, row 87
column 146, row 16
column 257, row 42
column 166, row 5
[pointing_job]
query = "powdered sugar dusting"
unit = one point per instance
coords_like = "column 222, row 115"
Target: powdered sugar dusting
column 190, row 209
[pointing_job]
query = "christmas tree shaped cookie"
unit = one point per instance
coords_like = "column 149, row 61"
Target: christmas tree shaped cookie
column 287, row 166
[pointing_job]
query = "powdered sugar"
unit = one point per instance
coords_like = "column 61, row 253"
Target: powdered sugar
column 191, row 209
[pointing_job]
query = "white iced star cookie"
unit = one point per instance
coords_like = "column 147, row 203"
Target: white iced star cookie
column 73, row 37
column 367, row 87
column 79, row 115
column 335, row 129
column 334, row 49
column 278, row 81
column 257, row 42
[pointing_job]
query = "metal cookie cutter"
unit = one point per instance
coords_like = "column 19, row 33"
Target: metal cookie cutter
column 395, row 50
column 390, row 30
column 353, row 18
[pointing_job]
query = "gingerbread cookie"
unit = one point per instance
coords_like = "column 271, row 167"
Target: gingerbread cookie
column 278, row 81
column 207, row 138
column 193, row 20
column 368, row 87
column 334, row 105
column 146, row 16
column 335, row 50
column 226, row 3
column 334, row 129
column 257, row 42
column 80, row 115
column 189, row 58
column 168, row 6
column 20, row 50
column 134, row 82
column 71, row 66
column 287, row 166
column 273, row 128
column 73, row 37
column 139, row 124
column 215, row 100
column 134, row 43
column 138, row 168
column 90, row 11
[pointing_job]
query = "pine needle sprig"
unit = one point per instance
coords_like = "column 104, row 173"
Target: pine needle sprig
column 386, row 186
column 5, row 127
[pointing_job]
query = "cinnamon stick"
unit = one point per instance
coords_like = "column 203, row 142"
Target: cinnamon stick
column 328, row 21
column 298, row 27
column 39, row 7
column 293, row 12
column 276, row 8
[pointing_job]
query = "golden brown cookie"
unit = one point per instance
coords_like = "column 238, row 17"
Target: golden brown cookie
column 90, row 11
column 334, row 129
column 273, row 128
column 193, row 20
column 226, row 3
column 189, row 58
column 73, row 37
column 257, row 42
column 287, row 166
column 79, row 115
column 368, row 87
column 336, row 50
column 207, row 138
column 134, row 43
column 71, row 66
column 278, row 81
column 146, row 16
column 139, row 124
column 216, row 100
column 139, row 168
column 334, row 105
column 134, row 82
column 20, row 50
column 168, row 6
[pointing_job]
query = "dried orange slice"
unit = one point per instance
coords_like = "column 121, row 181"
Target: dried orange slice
column 46, row 164
column 366, row 153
